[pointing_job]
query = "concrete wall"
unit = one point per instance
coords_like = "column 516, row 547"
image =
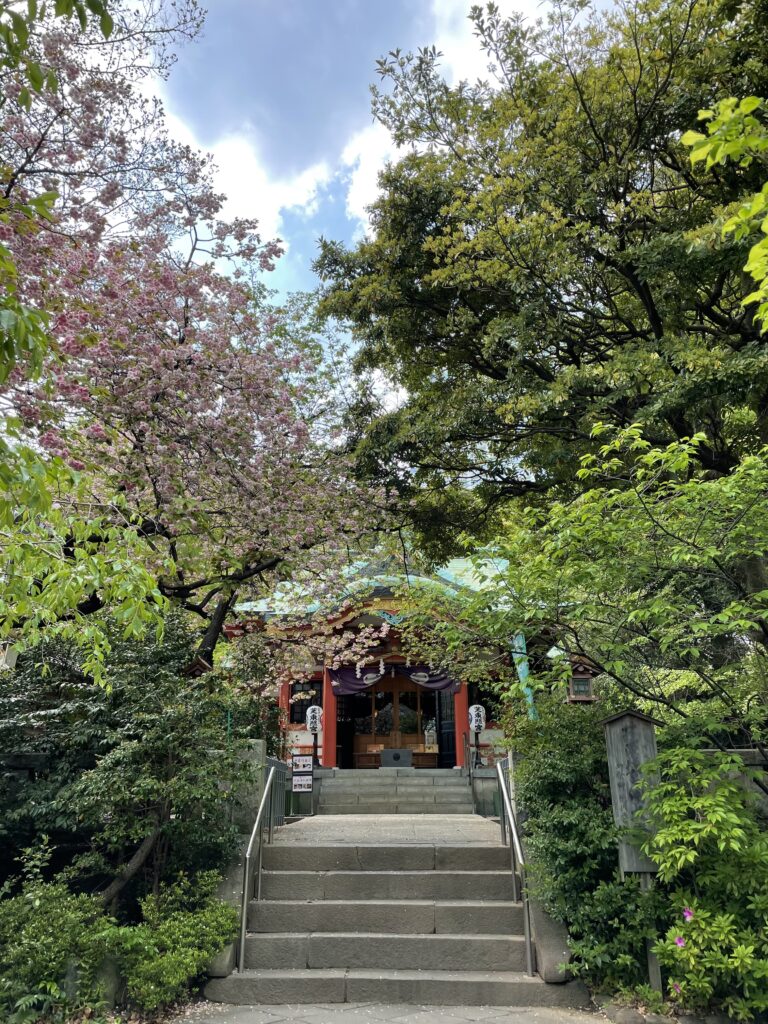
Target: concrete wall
column 248, row 796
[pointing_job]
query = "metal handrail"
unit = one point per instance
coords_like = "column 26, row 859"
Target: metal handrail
column 518, row 862
column 469, row 769
column 258, row 829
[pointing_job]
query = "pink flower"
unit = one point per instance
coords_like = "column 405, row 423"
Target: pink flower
column 676, row 987
column 688, row 914
column 680, row 941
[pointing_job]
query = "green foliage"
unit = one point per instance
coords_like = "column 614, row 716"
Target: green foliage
column 535, row 269
column 51, row 943
column 70, row 576
column 735, row 132
column 183, row 927
column 713, row 853
column 154, row 758
column 562, row 786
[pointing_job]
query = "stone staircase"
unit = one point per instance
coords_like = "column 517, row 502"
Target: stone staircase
column 392, row 921
column 395, row 791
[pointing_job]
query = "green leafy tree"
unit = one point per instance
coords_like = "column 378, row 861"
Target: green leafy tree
column 531, row 270
column 656, row 573
column 139, row 778
column 737, row 132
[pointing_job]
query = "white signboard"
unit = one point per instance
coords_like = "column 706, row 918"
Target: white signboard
column 303, row 777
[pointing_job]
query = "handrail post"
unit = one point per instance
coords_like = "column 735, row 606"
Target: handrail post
column 517, row 860
column 527, row 926
column 271, row 815
column 258, row 830
column 502, row 812
column 258, row 869
column 244, row 914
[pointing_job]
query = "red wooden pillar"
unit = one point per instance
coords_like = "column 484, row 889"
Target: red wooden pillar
column 329, row 722
column 283, row 699
column 461, row 721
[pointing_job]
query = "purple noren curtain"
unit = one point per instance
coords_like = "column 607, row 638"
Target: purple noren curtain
column 346, row 680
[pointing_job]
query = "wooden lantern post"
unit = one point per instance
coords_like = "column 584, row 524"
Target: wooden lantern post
column 630, row 739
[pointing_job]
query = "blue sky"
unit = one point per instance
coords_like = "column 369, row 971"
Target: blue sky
column 278, row 91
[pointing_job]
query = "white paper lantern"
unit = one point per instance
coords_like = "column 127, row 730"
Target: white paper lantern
column 476, row 718
column 314, row 718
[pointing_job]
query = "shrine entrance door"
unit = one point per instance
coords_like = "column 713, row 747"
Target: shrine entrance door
column 394, row 714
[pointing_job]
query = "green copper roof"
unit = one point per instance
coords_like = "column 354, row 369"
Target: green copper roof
column 369, row 577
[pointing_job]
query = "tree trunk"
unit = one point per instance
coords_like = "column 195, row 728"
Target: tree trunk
column 132, row 868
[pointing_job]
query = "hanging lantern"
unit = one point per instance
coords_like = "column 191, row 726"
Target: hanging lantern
column 476, row 718
column 314, row 718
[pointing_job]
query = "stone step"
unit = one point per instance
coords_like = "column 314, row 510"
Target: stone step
column 434, row 794
column 386, row 951
column 373, row 773
column 399, row 781
column 392, row 807
column 386, row 885
column 440, row 988
column 443, row 917
column 290, row 857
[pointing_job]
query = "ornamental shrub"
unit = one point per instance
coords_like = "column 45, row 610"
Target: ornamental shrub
column 713, row 855
column 51, row 944
column 182, row 929
column 570, row 838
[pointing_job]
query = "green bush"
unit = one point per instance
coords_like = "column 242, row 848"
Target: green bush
column 182, row 929
column 51, row 944
column 713, row 855
column 570, row 838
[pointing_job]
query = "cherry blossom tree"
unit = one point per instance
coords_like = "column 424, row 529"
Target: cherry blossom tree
column 186, row 422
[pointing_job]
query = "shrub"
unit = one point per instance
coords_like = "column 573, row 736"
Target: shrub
column 51, row 944
column 712, row 853
column 182, row 929
column 53, row 941
column 570, row 838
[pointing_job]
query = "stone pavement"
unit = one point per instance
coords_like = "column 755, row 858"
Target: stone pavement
column 376, row 1013
column 390, row 830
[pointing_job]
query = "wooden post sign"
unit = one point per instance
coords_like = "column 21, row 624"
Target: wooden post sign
column 630, row 739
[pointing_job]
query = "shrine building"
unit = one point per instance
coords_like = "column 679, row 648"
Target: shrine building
column 391, row 712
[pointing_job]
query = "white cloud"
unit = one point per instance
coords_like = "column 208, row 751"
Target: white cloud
column 454, row 36
column 242, row 176
column 252, row 192
column 363, row 157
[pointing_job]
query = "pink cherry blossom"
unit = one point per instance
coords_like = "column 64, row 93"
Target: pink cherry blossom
column 199, row 413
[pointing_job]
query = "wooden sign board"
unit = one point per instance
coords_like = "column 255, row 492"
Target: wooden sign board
column 630, row 739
